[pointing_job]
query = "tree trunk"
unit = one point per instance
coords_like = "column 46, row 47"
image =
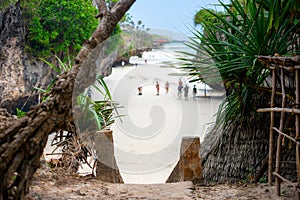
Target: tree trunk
column 237, row 153
column 22, row 142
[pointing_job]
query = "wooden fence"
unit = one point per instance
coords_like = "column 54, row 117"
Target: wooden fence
column 287, row 70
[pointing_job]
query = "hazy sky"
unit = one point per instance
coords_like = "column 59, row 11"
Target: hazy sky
column 169, row 14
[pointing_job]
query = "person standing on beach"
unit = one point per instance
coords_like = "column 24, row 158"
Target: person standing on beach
column 157, row 87
column 167, row 87
column 140, row 90
column 180, row 83
column 194, row 92
column 179, row 88
column 186, row 92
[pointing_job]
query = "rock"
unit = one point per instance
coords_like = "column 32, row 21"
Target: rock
column 19, row 72
column 107, row 169
column 188, row 167
column 23, row 103
column 125, row 58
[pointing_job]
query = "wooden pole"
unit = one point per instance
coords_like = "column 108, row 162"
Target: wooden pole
column 297, row 128
column 285, row 180
column 270, row 167
column 280, row 137
column 285, row 135
column 287, row 110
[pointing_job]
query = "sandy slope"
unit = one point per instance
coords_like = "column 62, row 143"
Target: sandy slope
column 57, row 185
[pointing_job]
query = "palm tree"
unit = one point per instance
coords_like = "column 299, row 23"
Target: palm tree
column 139, row 23
column 228, row 45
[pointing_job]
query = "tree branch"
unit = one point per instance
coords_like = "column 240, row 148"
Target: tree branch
column 102, row 7
column 118, row 9
column 22, row 142
column 105, row 28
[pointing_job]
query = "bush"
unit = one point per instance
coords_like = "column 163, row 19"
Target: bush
column 58, row 27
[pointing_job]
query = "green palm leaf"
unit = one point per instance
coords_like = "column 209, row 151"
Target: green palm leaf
column 229, row 46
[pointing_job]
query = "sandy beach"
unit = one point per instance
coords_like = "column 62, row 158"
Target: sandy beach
column 148, row 136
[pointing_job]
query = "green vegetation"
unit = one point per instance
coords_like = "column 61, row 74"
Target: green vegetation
column 58, row 27
column 229, row 43
column 99, row 112
column 20, row 113
column 90, row 116
column 5, row 3
column 59, row 69
column 62, row 66
column 263, row 179
column 105, row 107
column 206, row 16
column 127, row 20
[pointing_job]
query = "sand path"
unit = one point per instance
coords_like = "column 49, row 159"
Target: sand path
column 147, row 140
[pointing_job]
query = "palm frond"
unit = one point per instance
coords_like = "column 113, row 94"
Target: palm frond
column 229, row 46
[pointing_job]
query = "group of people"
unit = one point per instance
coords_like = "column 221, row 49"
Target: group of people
column 157, row 88
column 167, row 85
column 185, row 91
column 180, row 88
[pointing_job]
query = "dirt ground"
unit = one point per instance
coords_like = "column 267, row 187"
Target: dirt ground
column 55, row 184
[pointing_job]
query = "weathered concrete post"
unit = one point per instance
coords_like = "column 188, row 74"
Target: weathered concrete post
column 188, row 167
column 107, row 169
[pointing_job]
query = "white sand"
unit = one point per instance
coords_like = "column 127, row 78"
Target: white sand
column 147, row 141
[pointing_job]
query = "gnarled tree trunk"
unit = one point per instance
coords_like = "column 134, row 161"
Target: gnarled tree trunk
column 22, row 142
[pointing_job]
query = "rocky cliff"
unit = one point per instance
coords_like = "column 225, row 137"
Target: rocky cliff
column 19, row 73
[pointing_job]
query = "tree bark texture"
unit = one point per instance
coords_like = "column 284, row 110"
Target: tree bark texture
column 22, row 142
column 238, row 152
column 233, row 154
